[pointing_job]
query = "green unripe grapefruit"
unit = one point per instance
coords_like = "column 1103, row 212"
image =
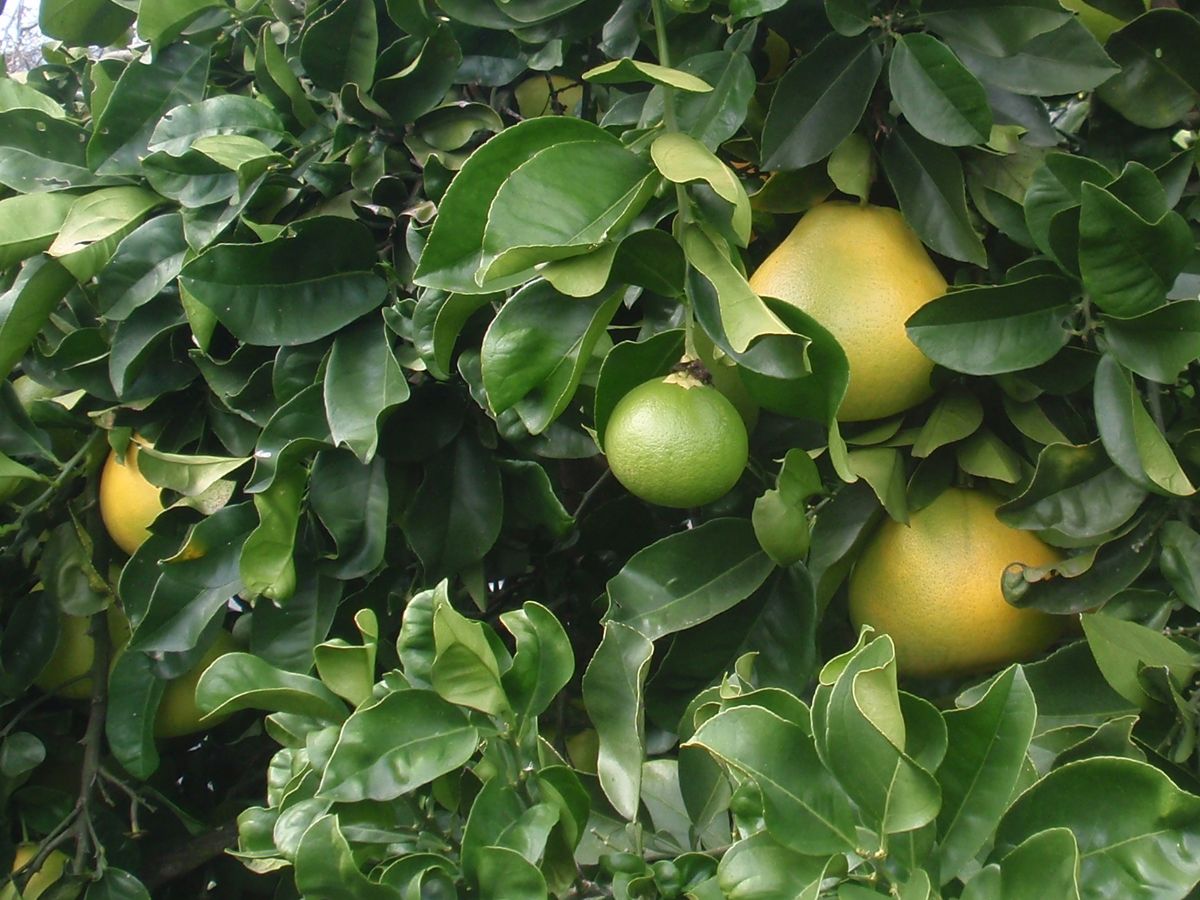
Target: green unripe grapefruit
column 676, row 442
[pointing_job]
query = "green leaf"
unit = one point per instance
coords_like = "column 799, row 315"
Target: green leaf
column 995, row 328
column 266, row 563
column 1045, row 864
column 535, row 351
column 928, row 181
column 861, row 736
column 362, row 381
column 988, row 742
column 1057, row 187
column 395, row 745
column 133, row 697
column 144, row 263
column 1179, row 561
column 1159, row 344
column 503, row 874
column 117, row 884
column 1130, row 436
column 29, row 223
column 940, row 98
column 543, row 663
column 325, row 866
column 40, row 152
column 883, row 469
column 456, row 514
column 780, row 516
column 453, row 252
column 681, row 159
column 140, row 98
column 1123, row 648
column 986, row 456
column 1062, row 61
column 422, row 84
column 612, row 693
column 179, row 130
column 278, row 82
column 1138, row 834
column 997, row 29
column 18, row 95
column 1076, row 492
column 805, row 809
column 1159, row 81
column 851, row 166
column 340, row 46
column 84, row 22
column 244, row 681
column 956, row 417
column 624, row 71
column 465, row 669
column 761, row 868
column 188, row 474
column 95, row 225
column 1128, row 263
column 294, row 289
column 819, row 101
column 25, row 307
column 687, row 578
column 349, row 669
column 162, row 21
column 522, row 231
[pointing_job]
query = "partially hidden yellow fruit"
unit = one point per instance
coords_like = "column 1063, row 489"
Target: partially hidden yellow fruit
column 544, row 95
column 934, row 586
column 66, row 673
column 177, row 711
column 128, row 502
column 50, row 872
column 860, row 271
column 676, row 441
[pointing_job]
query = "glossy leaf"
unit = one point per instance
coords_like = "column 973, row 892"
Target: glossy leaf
column 325, row 866
column 1122, row 648
column 655, row 595
column 339, row 47
column 29, row 224
column 465, row 669
column 25, row 306
column 1158, row 344
column 243, row 681
column 543, row 663
column 1159, row 81
column 362, row 382
column 291, row 290
column 994, row 329
column 1061, row 61
column 1137, row 832
column 1047, row 862
column 988, row 742
column 400, row 742
column 624, row 71
column 997, row 29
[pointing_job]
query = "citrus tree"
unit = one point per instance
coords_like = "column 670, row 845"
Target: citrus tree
column 319, row 320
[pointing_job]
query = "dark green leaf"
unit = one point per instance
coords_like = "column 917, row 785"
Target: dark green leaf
column 687, row 578
column 1130, row 436
column 1045, row 864
column 928, row 181
column 939, row 97
column 1123, row 648
column 1057, row 187
column 294, row 289
column 1157, row 345
column 996, row 28
column 1159, row 81
column 363, row 381
column 819, row 101
column 340, row 47
column 421, row 85
column 996, row 328
column 84, row 22
column 543, row 663
column 25, row 306
column 629, row 364
column 1061, row 61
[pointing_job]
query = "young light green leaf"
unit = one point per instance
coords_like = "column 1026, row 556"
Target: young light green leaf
column 681, row 159
column 244, row 681
column 1122, row 649
column 29, row 224
column 624, row 71
column 465, row 669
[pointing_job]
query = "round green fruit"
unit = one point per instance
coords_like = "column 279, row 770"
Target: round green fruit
column 676, row 442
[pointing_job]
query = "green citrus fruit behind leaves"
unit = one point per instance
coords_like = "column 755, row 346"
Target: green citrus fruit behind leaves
column 934, row 586
column 676, row 442
column 860, row 271
column 50, row 872
column 545, row 95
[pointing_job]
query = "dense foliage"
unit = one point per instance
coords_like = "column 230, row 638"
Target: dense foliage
column 370, row 312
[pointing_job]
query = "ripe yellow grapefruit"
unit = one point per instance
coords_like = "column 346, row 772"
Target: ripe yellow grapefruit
column 50, row 872
column 676, row 441
column 860, row 271
column 65, row 673
column 934, row 586
column 534, row 98
column 128, row 502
